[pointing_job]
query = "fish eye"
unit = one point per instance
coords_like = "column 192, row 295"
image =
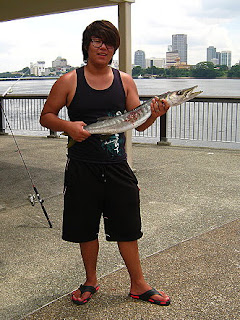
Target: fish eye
column 179, row 92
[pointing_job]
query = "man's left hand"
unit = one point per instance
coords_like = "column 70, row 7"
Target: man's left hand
column 159, row 107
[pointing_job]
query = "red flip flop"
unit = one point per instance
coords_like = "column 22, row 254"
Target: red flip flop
column 146, row 296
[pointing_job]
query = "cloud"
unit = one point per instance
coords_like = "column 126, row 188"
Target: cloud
column 214, row 22
column 46, row 37
column 221, row 8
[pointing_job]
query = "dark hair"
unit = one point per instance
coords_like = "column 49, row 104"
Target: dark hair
column 101, row 29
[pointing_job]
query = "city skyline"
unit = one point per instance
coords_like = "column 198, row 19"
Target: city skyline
column 206, row 23
column 217, row 58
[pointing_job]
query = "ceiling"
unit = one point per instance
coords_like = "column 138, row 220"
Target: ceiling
column 17, row 9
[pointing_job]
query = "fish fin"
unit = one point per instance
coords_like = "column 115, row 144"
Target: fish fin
column 71, row 142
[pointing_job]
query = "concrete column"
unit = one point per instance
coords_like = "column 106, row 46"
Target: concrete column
column 125, row 59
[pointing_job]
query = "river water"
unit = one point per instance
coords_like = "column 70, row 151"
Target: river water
column 210, row 87
column 151, row 87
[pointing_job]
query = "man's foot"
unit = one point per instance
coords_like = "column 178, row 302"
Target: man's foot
column 142, row 291
column 153, row 296
column 83, row 294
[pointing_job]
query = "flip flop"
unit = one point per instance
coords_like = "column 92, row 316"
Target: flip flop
column 83, row 289
column 146, row 297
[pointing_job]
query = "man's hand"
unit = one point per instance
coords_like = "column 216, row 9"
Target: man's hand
column 76, row 131
column 159, row 107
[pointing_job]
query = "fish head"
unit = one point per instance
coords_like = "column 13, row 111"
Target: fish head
column 177, row 97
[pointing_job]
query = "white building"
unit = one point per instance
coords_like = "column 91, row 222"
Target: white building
column 155, row 62
column 226, row 58
column 59, row 62
column 38, row 68
column 215, row 61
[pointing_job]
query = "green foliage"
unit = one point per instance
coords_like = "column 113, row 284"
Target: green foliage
column 172, row 72
column 137, row 71
column 234, row 72
column 25, row 71
column 16, row 74
column 204, row 70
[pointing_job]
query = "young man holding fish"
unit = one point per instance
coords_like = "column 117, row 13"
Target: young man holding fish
column 92, row 92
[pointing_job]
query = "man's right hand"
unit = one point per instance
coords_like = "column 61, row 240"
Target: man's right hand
column 77, row 132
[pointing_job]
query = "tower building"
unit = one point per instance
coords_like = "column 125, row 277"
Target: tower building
column 226, row 58
column 139, row 59
column 179, row 43
column 211, row 53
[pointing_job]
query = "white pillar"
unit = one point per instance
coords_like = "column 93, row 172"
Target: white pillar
column 125, row 59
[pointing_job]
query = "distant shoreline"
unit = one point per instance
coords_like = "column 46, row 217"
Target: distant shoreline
column 54, row 78
column 29, row 78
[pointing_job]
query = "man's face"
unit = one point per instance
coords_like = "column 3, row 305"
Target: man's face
column 99, row 51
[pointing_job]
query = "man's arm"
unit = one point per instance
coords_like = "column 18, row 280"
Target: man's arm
column 61, row 95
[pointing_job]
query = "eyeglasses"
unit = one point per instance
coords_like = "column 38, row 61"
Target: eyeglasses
column 97, row 43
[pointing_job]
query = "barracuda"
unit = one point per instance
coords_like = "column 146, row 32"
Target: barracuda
column 134, row 118
column 139, row 115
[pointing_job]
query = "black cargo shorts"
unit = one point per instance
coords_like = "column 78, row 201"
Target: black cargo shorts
column 93, row 190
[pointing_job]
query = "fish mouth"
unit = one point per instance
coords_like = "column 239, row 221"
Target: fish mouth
column 188, row 93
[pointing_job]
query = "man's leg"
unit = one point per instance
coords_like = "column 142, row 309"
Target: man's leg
column 130, row 254
column 89, row 252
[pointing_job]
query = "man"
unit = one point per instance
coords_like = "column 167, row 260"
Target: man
column 98, row 179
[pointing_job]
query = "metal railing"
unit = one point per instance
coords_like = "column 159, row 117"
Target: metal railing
column 207, row 119
column 203, row 119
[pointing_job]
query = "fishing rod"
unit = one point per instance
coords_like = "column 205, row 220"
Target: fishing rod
column 32, row 198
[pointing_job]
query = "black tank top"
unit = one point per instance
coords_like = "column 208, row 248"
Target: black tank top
column 89, row 105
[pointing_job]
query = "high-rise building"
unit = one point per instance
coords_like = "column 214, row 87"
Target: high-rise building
column 226, row 58
column 179, row 43
column 211, row 53
column 139, row 59
column 223, row 58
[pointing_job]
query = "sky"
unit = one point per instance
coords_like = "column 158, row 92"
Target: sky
column 206, row 23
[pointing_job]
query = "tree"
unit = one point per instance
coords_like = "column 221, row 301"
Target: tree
column 205, row 70
column 25, row 70
column 136, row 71
column 221, row 70
column 234, row 72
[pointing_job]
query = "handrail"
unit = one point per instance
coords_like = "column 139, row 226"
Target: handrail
column 202, row 118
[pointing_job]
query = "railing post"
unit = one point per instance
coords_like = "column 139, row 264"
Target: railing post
column 2, row 127
column 163, row 131
column 53, row 134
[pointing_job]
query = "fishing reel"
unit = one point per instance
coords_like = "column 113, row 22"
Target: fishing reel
column 34, row 199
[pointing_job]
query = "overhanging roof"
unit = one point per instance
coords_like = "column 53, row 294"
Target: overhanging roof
column 17, row 9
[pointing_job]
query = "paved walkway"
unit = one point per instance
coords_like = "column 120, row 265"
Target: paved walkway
column 190, row 211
